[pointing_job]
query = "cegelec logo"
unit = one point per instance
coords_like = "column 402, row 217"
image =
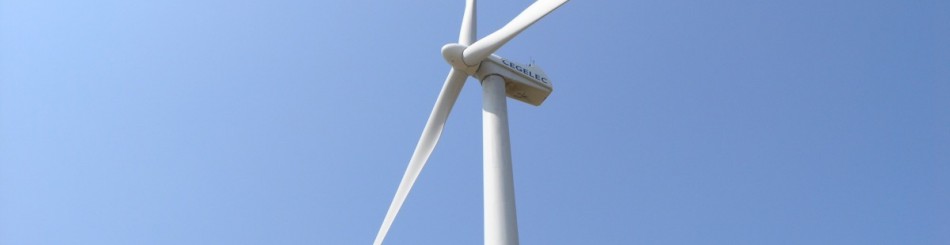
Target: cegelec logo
column 525, row 71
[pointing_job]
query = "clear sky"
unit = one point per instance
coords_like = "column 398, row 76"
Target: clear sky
column 291, row 122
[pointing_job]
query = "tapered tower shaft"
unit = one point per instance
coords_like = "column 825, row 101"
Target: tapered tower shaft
column 501, row 224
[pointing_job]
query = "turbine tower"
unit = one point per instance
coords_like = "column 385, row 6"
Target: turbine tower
column 501, row 78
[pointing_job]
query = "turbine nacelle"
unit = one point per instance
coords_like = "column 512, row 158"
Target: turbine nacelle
column 526, row 83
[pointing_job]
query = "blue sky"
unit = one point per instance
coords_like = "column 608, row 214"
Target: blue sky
column 291, row 122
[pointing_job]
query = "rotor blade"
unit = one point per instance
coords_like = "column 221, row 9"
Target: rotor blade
column 467, row 32
column 484, row 47
column 428, row 140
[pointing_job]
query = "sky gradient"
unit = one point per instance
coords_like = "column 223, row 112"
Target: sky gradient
column 291, row 122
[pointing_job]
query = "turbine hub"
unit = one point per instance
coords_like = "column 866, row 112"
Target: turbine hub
column 453, row 55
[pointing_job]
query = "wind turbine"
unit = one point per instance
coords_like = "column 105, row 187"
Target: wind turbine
column 500, row 78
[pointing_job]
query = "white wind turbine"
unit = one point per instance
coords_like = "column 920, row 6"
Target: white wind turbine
column 499, row 77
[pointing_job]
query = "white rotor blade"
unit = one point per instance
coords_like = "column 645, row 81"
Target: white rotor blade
column 467, row 32
column 484, row 47
column 428, row 140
